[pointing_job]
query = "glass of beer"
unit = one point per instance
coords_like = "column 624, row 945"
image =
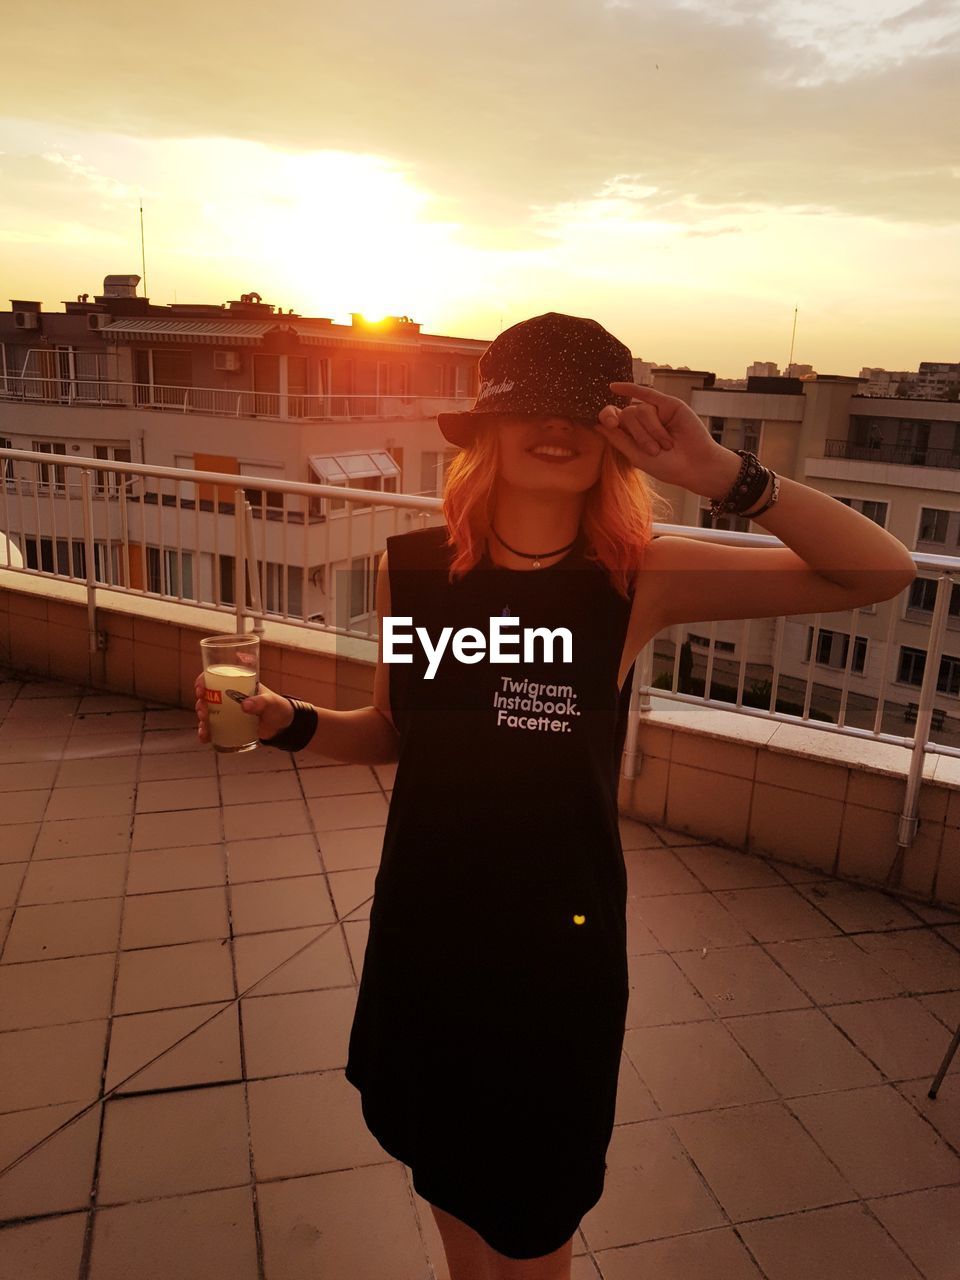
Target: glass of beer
column 231, row 673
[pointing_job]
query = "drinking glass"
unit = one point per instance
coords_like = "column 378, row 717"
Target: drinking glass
column 231, row 673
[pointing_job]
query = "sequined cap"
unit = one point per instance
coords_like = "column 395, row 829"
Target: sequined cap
column 553, row 364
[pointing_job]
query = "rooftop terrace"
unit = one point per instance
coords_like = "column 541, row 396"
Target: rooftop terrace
column 181, row 936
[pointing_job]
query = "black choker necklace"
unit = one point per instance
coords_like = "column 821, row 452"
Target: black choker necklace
column 537, row 556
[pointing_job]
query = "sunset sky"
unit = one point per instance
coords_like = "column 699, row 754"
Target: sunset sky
column 684, row 171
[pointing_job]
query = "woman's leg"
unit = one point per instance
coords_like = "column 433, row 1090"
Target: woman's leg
column 549, row 1266
column 466, row 1251
column 469, row 1257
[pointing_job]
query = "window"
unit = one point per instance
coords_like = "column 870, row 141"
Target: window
column 172, row 368
column 44, row 469
column 923, row 595
column 933, row 525
column 112, row 481
column 875, row 511
column 913, row 661
column 751, row 434
column 723, row 646
column 185, row 488
column 56, row 558
column 179, row 570
column 170, row 375
column 716, row 429
column 393, row 379
column 107, row 563
column 7, row 462
column 275, row 600
column 363, row 586
column 833, row 648
column 227, row 594
column 260, row 498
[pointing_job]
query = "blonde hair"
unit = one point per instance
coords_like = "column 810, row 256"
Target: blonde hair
column 617, row 515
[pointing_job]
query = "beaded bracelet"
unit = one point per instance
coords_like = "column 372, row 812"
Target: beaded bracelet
column 299, row 732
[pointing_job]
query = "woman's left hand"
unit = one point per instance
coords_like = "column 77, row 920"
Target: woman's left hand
column 664, row 437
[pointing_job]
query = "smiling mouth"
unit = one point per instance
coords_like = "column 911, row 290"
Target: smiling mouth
column 553, row 452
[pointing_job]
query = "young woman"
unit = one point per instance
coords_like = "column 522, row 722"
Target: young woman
column 489, row 1025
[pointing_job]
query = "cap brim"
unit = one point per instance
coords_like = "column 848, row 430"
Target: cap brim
column 461, row 428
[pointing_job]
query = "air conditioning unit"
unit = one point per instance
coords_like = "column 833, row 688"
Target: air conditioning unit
column 229, row 361
column 26, row 319
column 97, row 320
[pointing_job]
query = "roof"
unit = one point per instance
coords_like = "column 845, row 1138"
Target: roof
column 339, row 468
column 248, row 333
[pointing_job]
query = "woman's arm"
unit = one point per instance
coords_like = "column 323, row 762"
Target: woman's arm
column 833, row 559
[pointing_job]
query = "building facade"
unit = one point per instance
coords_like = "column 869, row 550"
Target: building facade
column 243, row 389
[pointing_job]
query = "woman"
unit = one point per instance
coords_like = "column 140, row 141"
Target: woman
column 489, row 1024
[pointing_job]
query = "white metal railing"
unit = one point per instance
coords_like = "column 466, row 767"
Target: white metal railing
column 123, row 526
column 220, row 401
column 165, row 533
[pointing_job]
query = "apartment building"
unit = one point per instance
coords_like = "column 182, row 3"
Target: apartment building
column 940, row 379
column 887, row 382
column 244, row 388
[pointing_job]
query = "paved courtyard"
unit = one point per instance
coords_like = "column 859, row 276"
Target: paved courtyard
column 181, row 936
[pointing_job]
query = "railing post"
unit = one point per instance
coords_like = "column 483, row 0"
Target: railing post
column 86, row 504
column 253, row 568
column 639, row 702
column 907, row 828
column 239, row 557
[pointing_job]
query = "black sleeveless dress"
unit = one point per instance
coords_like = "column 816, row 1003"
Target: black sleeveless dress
column 491, row 1010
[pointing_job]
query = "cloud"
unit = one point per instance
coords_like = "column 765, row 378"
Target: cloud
column 91, row 178
column 925, row 11
column 501, row 109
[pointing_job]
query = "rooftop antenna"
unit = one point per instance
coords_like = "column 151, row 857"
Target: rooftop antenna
column 143, row 254
column 793, row 339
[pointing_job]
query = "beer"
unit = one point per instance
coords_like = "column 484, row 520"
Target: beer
column 230, row 675
column 231, row 729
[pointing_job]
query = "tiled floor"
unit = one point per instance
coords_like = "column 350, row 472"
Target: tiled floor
column 181, row 938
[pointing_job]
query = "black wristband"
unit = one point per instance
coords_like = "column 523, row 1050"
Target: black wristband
column 747, row 489
column 299, row 733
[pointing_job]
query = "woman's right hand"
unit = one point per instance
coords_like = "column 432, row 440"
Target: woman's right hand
column 273, row 710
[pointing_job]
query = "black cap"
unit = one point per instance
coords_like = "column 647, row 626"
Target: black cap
column 554, row 366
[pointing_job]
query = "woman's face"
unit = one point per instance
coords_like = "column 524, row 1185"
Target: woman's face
column 549, row 453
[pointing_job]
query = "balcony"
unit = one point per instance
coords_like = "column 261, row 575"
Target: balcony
column 183, row 933
column 902, row 455
column 223, row 402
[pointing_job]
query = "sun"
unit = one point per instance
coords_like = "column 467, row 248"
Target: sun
column 355, row 233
